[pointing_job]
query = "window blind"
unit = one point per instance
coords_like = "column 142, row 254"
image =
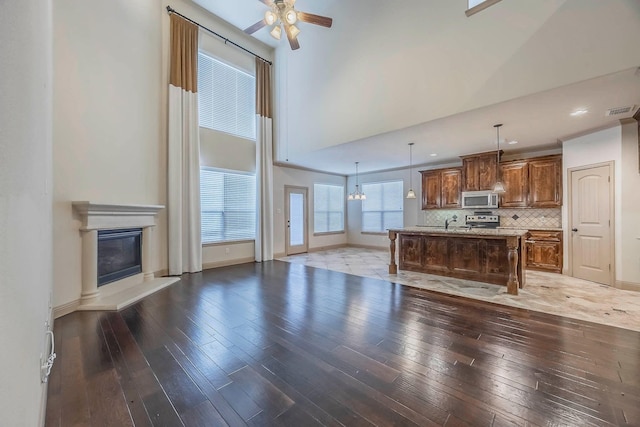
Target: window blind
column 382, row 209
column 228, row 205
column 226, row 98
column 328, row 208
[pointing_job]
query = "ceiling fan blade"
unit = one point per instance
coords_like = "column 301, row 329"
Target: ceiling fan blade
column 293, row 40
column 315, row 19
column 255, row 27
column 267, row 2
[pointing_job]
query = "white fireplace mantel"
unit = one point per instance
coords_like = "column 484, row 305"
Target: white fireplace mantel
column 119, row 294
column 100, row 216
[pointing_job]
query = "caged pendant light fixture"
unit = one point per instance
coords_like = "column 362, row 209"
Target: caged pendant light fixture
column 498, row 187
column 357, row 195
column 411, row 194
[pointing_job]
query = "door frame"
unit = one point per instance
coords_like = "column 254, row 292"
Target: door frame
column 612, row 211
column 287, row 188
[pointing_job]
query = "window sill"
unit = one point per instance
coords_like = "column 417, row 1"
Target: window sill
column 228, row 242
column 375, row 233
column 328, row 233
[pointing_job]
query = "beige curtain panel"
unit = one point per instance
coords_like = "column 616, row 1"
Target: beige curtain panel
column 183, row 155
column 184, row 54
column 263, row 89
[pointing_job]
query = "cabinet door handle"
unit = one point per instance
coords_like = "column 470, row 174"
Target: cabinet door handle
column 574, row 229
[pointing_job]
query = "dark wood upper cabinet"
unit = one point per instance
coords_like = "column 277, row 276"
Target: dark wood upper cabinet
column 515, row 177
column 530, row 183
column 441, row 188
column 479, row 171
column 545, row 182
column 431, row 187
column 470, row 174
column 450, row 196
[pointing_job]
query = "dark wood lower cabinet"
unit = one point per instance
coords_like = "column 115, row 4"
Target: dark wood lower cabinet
column 485, row 258
column 413, row 254
column 436, row 253
column 544, row 250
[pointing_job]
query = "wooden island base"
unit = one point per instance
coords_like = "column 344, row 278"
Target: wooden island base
column 490, row 256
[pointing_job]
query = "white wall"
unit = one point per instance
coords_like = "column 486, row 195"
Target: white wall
column 110, row 90
column 591, row 149
column 108, row 127
column 412, row 207
column 25, row 207
column 283, row 176
column 630, row 205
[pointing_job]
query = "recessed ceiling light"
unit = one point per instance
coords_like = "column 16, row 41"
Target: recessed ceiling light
column 433, row 154
column 513, row 142
column 579, row 112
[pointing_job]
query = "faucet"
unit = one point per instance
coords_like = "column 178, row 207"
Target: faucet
column 447, row 222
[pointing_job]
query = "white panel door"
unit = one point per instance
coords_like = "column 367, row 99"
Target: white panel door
column 590, row 224
column 296, row 220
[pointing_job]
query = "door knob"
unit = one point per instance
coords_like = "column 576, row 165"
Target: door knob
column 574, row 229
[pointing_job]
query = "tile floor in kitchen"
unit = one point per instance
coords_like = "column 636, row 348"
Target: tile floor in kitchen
column 545, row 292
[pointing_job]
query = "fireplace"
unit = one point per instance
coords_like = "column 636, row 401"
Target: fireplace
column 119, row 254
column 117, row 246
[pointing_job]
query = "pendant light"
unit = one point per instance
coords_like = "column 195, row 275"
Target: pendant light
column 411, row 194
column 498, row 186
column 357, row 195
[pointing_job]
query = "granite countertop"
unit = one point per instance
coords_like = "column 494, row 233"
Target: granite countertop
column 463, row 231
column 533, row 228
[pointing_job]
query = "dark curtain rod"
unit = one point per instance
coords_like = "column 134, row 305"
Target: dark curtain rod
column 226, row 40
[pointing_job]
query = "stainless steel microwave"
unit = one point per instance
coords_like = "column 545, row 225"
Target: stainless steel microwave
column 479, row 199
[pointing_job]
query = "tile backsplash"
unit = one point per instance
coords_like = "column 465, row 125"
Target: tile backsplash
column 520, row 218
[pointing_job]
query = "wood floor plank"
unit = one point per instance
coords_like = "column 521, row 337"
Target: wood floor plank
column 281, row 344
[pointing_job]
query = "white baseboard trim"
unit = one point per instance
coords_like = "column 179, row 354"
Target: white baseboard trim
column 279, row 255
column 217, row 264
column 367, row 246
column 327, row 248
column 628, row 286
column 65, row 309
column 161, row 273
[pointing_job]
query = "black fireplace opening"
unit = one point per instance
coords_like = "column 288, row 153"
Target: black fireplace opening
column 119, row 254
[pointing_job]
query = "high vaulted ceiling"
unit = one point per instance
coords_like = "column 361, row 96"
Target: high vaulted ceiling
column 390, row 73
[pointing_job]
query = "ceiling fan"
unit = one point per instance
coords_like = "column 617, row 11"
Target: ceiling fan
column 282, row 14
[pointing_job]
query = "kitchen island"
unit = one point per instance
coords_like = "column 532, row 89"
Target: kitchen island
column 480, row 254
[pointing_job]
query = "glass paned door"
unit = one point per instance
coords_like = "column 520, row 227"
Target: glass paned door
column 296, row 220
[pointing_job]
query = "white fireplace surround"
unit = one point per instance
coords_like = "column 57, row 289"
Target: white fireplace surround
column 121, row 293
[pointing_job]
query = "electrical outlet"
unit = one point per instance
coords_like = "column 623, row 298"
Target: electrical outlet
column 227, row 251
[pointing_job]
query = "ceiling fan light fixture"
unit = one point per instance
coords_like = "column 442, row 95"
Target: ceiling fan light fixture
column 290, row 16
column 294, row 31
column 270, row 17
column 276, row 32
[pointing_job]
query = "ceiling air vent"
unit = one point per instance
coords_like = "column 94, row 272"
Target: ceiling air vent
column 619, row 110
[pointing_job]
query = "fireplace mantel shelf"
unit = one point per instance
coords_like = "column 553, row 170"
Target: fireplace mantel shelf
column 100, row 216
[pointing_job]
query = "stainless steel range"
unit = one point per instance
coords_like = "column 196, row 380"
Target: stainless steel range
column 482, row 219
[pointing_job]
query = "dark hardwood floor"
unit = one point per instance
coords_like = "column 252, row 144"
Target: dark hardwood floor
column 284, row 344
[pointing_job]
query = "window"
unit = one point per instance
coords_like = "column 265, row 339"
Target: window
column 382, row 209
column 228, row 205
column 226, row 98
column 328, row 208
column 476, row 6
